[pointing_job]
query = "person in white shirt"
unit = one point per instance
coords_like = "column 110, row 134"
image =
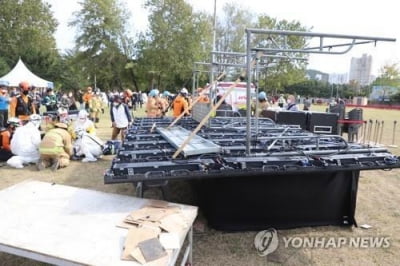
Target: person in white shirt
column 291, row 104
column 120, row 117
column 25, row 143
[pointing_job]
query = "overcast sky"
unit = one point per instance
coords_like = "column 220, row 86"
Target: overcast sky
column 351, row 17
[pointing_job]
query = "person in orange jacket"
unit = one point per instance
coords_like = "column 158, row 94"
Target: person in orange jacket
column 180, row 103
column 5, row 139
column 22, row 105
column 86, row 98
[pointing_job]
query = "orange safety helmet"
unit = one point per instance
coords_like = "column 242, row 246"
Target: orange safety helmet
column 24, row 85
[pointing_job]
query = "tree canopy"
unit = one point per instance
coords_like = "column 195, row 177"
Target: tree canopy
column 27, row 30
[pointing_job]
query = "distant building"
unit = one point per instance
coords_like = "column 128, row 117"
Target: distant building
column 336, row 78
column 360, row 70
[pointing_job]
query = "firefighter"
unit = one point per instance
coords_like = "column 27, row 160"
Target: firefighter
column 181, row 103
column 153, row 105
column 5, row 138
column 262, row 105
column 86, row 98
column 95, row 107
column 22, row 105
column 55, row 148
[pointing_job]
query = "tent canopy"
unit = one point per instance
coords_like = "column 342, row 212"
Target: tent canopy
column 21, row 73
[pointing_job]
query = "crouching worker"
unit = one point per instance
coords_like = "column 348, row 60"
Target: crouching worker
column 25, row 143
column 5, row 138
column 55, row 148
column 88, row 145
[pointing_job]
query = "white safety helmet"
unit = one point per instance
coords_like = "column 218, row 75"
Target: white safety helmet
column 184, row 91
column 82, row 114
column 35, row 119
column 154, row 93
column 262, row 95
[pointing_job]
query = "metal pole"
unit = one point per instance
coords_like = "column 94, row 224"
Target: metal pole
column 380, row 137
column 194, row 83
column 394, row 133
column 248, row 92
column 256, row 101
column 214, row 41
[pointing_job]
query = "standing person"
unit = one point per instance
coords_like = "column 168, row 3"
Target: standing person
column 14, row 92
column 4, row 105
column 291, row 104
column 55, row 148
column 281, row 101
column 180, row 104
column 127, row 99
column 72, row 101
column 50, row 100
column 120, row 118
column 307, row 104
column 5, row 138
column 86, row 97
column 80, row 99
column 140, row 99
column 134, row 100
column 95, row 107
column 153, row 105
column 263, row 103
column 37, row 98
column 22, row 105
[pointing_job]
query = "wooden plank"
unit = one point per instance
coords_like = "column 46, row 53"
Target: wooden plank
column 67, row 225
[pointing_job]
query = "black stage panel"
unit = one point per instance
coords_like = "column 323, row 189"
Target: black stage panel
column 322, row 123
column 282, row 201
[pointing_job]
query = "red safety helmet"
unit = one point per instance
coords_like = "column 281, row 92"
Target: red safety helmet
column 24, row 85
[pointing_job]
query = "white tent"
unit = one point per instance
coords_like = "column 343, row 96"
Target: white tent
column 21, row 73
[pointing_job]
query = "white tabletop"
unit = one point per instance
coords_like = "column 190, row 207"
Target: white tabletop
column 66, row 225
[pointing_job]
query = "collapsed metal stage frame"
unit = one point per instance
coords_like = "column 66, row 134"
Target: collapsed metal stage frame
column 241, row 165
column 220, row 151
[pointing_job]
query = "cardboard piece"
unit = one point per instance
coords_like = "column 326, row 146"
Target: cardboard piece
column 158, row 203
column 152, row 249
column 138, row 256
column 134, row 237
column 152, row 214
column 174, row 223
column 126, row 225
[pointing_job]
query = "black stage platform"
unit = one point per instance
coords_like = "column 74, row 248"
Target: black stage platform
column 291, row 178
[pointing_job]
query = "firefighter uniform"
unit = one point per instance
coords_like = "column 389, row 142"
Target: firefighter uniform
column 55, row 148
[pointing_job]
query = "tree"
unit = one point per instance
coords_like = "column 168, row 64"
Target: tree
column 286, row 71
column 388, row 79
column 231, row 37
column 102, row 46
column 26, row 32
column 177, row 37
column 390, row 76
